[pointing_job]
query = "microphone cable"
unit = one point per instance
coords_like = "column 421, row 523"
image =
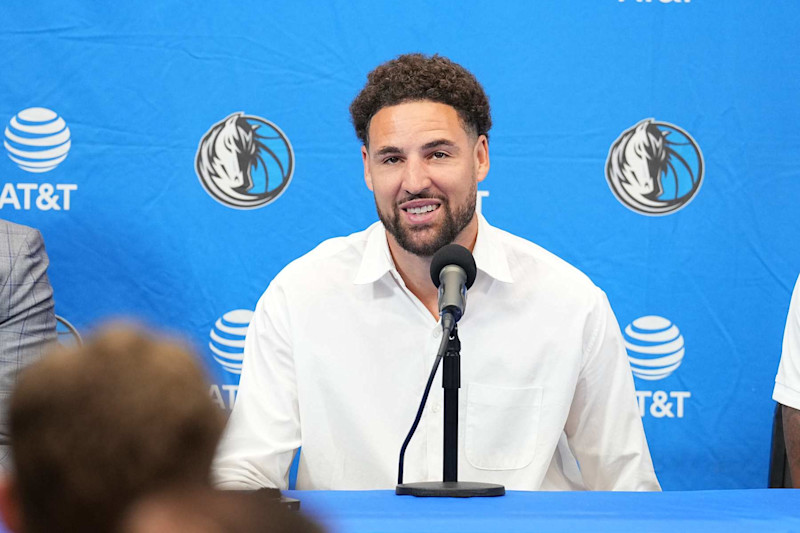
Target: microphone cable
column 447, row 328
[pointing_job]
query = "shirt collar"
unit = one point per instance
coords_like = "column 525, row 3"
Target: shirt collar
column 489, row 254
column 490, row 257
column 377, row 260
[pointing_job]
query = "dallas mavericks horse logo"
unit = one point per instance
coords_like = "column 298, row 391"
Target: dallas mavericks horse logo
column 244, row 161
column 654, row 168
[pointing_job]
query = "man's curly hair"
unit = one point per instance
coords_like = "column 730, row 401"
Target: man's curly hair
column 412, row 77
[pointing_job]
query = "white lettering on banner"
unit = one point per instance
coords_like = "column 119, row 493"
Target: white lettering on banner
column 49, row 196
column 227, row 400
column 659, row 406
column 479, row 200
column 216, row 396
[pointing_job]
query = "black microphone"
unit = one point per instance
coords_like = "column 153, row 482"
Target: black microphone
column 453, row 271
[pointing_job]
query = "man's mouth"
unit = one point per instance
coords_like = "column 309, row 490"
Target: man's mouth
column 421, row 210
column 420, row 206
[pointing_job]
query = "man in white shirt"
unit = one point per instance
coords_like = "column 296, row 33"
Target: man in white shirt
column 787, row 386
column 342, row 340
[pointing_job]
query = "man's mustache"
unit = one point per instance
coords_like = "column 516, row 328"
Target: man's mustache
column 422, row 196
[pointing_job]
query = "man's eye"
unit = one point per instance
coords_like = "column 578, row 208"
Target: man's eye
column 439, row 155
column 391, row 160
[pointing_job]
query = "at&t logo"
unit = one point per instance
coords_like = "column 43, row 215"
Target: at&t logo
column 37, row 140
column 226, row 342
column 227, row 339
column 654, row 168
column 244, row 161
column 656, row 348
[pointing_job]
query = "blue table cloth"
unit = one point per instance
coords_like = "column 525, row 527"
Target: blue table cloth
column 776, row 510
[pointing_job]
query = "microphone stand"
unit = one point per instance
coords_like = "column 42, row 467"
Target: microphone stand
column 450, row 486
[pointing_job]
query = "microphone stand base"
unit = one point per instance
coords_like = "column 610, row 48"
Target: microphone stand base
column 450, row 489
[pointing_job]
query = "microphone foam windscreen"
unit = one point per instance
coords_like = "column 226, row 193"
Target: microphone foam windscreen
column 453, row 254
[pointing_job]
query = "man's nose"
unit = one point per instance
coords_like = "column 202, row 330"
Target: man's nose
column 415, row 176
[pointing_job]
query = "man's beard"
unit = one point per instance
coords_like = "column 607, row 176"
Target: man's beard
column 452, row 224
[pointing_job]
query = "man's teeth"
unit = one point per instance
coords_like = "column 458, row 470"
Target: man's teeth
column 420, row 210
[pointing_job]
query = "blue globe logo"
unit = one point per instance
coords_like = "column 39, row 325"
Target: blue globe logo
column 37, row 139
column 227, row 339
column 655, row 347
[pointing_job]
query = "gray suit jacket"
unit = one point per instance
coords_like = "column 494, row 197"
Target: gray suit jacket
column 27, row 318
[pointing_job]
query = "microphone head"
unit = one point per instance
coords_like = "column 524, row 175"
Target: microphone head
column 453, row 254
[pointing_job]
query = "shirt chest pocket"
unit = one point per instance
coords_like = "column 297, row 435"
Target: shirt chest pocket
column 501, row 426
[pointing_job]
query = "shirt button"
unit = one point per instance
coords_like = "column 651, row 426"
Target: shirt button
column 437, row 408
column 437, row 332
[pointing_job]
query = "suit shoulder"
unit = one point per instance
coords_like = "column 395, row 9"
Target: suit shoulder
column 18, row 230
column 20, row 240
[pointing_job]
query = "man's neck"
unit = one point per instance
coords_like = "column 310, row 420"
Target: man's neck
column 416, row 270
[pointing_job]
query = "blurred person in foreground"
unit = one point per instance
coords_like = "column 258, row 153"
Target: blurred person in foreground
column 204, row 510
column 787, row 386
column 27, row 317
column 94, row 428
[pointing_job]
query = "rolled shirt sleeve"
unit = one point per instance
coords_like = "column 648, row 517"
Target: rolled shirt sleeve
column 604, row 429
column 263, row 431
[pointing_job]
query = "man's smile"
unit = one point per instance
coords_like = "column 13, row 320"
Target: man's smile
column 421, row 211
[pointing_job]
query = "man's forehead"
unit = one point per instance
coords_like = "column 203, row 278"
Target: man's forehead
column 416, row 117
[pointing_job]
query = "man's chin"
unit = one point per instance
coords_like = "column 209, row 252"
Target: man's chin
column 421, row 243
column 422, row 240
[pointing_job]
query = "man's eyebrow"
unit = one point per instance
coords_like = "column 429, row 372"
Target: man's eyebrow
column 439, row 143
column 388, row 150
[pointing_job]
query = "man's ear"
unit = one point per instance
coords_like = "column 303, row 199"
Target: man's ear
column 481, row 156
column 9, row 504
column 365, row 160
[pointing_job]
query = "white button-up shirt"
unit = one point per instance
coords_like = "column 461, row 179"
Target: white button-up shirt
column 339, row 350
column 787, row 382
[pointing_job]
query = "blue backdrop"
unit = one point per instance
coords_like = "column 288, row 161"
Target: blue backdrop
column 130, row 92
